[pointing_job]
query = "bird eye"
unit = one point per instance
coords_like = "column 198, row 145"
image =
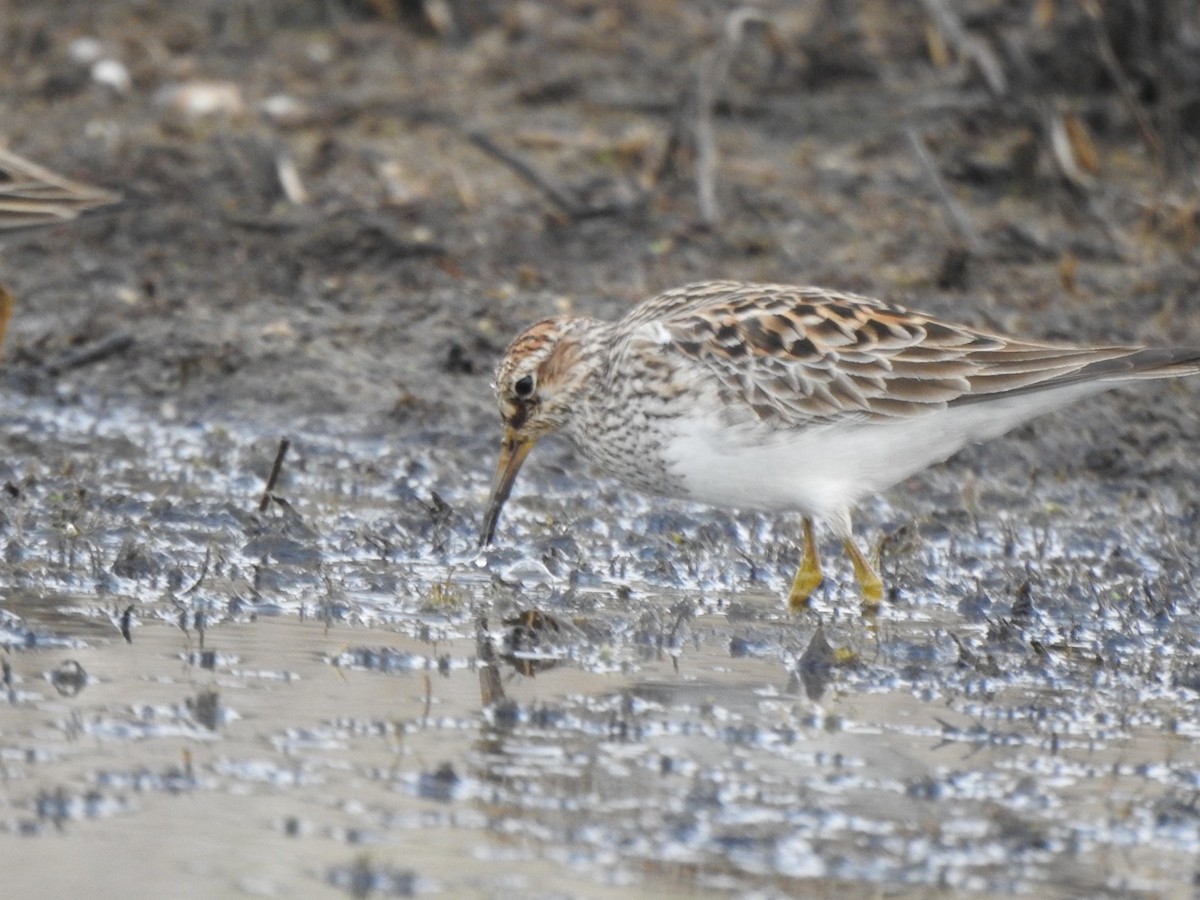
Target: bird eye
column 524, row 387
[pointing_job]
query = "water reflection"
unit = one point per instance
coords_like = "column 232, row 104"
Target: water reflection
column 337, row 671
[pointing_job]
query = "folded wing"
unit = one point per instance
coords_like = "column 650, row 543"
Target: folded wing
column 797, row 357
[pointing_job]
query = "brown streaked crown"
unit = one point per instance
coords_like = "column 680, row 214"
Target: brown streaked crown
column 542, row 369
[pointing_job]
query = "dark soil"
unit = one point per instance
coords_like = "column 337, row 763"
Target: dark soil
column 391, row 291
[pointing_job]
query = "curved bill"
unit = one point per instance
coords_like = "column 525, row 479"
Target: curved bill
column 513, row 451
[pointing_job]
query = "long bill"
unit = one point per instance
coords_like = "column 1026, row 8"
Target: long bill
column 513, row 451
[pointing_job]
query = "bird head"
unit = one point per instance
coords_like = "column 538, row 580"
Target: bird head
column 537, row 383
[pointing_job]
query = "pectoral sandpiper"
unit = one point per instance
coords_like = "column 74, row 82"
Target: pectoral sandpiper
column 779, row 398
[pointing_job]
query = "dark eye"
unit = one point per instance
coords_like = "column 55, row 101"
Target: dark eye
column 524, row 387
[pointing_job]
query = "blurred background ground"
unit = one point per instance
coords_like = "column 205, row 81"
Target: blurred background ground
column 389, row 264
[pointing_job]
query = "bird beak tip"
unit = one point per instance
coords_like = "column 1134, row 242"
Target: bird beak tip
column 513, row 451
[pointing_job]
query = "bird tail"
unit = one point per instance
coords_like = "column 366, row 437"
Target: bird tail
column 1150, row 362
column 1047, row 368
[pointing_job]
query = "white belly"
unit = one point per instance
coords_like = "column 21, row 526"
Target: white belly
column 824, row 471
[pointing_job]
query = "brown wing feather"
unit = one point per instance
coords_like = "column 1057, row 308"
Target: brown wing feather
column 799, row 356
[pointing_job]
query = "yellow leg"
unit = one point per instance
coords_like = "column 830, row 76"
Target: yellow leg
column 808, row 577
column 868, row 580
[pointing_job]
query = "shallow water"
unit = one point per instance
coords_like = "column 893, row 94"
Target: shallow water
column 301, row 698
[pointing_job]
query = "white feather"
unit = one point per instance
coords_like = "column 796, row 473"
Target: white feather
column 824, row 471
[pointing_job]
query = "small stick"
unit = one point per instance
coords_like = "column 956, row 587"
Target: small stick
column 954, row 211
column 694, row 128
column 110, row 345
column 704, row 134
column 968, row 46
column 127, row 624
column 1063, row 152
column 526, row 173
column 1108, row 56
column 289, row 180
column 284, row 443
column 203, row 571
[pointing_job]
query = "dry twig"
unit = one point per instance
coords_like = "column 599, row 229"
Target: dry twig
column 1062, row 150
column 694, row 122
column 968, row 46
column 263, row 503
column 109, row 345
column 1112, row 65
column 572, row 207
column 956, row 215
column 289, row 180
